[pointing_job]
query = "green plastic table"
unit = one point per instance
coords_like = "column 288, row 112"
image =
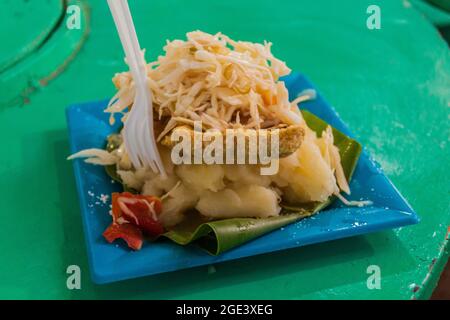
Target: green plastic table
column 391, row 86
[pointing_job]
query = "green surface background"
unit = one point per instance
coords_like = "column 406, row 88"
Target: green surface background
column 391, row 86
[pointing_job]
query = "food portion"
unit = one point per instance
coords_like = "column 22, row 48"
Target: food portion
column 227, row 85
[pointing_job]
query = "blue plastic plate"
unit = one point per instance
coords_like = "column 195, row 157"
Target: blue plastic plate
column 88, row 128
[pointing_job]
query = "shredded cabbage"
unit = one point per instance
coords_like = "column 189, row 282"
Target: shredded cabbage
column 224, row 83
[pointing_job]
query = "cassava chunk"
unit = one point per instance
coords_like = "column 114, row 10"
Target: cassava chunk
column 239, row 201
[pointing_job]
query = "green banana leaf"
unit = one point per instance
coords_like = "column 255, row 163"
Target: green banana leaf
column 221, row 235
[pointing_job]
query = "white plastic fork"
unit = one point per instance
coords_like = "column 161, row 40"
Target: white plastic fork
column 138, row 131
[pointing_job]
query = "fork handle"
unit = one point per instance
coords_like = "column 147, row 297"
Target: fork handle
column 128, row 39
column 140, row 61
